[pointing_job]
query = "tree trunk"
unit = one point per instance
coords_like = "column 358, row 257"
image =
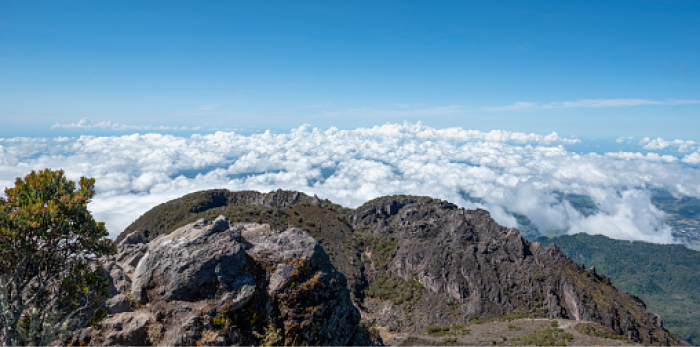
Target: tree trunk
column 10, row 337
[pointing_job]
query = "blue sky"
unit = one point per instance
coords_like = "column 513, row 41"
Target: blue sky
column 582, row 68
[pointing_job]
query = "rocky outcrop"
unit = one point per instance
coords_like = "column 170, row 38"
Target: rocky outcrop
column 473, row 268
column 206, row 283
column 410, row 262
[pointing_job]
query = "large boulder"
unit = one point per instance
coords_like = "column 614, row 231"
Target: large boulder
column 198, row 261
column 206, row 284
column 310, row 295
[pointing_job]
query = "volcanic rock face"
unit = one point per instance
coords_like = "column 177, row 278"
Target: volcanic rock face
column 410, row 262
column 484, row 270
column 206, row 284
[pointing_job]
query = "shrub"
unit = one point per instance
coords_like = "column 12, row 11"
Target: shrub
column 51, row 282
column 435, row 330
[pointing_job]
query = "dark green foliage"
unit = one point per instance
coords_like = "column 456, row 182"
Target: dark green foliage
column 383, row 248
column 394, row 288
column 435, row 330
column 666, row 277
column 50, row 281
column 450, row 340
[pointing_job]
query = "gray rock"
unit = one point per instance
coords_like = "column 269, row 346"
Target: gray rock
column 194, row 262
column 311, row 295
column 199, row 285
column 469, row 266
column 128, row 328
column 118, row 304
column 280, row 277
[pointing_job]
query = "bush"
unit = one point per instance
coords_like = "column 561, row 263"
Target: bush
column 51, row 281
column 435, row 330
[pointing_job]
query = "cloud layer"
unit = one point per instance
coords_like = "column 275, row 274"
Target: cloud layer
column 85, row 124
column 507, row 173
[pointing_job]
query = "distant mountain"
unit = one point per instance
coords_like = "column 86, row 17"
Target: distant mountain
column 667, row 277
column 415, row 262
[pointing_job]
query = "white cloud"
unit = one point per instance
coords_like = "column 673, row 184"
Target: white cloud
column 86, row 123
column 505, row 172
column 660, row 144
column 693, row 158
column 421, row 111
column 398, row 112
column 590, row 103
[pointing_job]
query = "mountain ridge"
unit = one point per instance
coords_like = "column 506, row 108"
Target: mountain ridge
column 412, row 262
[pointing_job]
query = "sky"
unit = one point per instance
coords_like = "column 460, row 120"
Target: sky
column 503, row 105
column 580, row 68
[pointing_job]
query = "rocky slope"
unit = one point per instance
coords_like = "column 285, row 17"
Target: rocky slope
column 413, row 262
column 223, row 283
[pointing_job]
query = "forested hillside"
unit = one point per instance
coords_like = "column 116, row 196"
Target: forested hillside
column 665, row 276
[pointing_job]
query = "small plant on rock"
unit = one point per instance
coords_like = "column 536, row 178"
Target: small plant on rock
column 155, row 333
column 272, row 336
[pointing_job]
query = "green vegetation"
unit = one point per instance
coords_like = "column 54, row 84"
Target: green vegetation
column 512, row 327
column 240, row 206
column 545, row 337
column 390, row 287
column 683, row 212
column 272, row 337
column 386, row 285
column 666, row 277
column 435, row 330
column 462, row 329
column 450, row 340
column 383, row 248
column 218, row 322
column 51, row 283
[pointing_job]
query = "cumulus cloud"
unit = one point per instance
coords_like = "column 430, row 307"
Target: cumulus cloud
column 508, row 173
column 660, row 144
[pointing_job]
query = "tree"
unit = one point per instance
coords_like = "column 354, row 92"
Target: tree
column 51, row 281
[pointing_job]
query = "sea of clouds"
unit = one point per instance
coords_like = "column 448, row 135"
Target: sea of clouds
column 507, row 173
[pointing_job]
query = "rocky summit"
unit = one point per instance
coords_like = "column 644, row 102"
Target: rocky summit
column 404, row 264
column 224, row 283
